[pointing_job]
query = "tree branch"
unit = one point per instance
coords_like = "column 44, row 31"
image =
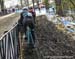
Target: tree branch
column 72, row 3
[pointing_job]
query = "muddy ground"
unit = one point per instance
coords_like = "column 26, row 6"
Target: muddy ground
column 53, row 42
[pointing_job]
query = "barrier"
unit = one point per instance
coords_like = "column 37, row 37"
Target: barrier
column 9, row 44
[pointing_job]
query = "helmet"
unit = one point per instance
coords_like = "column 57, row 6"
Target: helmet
column 25, row 9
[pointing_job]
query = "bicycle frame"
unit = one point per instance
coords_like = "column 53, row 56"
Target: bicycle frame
column 29, row 36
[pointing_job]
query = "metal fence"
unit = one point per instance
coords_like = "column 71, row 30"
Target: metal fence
column 9, row 44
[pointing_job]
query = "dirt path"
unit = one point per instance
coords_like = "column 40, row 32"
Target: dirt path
column 7, row 22
column 52, row 42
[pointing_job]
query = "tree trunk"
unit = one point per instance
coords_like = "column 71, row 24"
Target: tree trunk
column 21, row 3
column 2, row 4
column 59, row 9
column 72, row 3
column 33, row 4
column 28, row 3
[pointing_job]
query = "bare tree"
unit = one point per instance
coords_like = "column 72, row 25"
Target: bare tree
column 72, row 3
column 2, row 5
column 59, row 9
column 21, row 3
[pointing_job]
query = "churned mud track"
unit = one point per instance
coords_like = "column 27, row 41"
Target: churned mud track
column 52, row 42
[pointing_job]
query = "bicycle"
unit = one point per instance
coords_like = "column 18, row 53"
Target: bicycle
column 30, row 39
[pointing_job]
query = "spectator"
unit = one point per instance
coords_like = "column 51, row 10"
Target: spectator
column 31, row 10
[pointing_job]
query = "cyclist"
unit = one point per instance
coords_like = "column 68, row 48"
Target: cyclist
column 26, row 19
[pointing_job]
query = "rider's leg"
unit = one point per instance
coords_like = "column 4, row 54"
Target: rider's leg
column 32, row 31
column 34, row 18
column 25, row 29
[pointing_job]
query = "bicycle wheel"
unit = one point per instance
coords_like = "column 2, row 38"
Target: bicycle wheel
column 30, row 41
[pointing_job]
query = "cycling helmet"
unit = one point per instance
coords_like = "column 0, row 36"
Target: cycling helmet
column 25, row 8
